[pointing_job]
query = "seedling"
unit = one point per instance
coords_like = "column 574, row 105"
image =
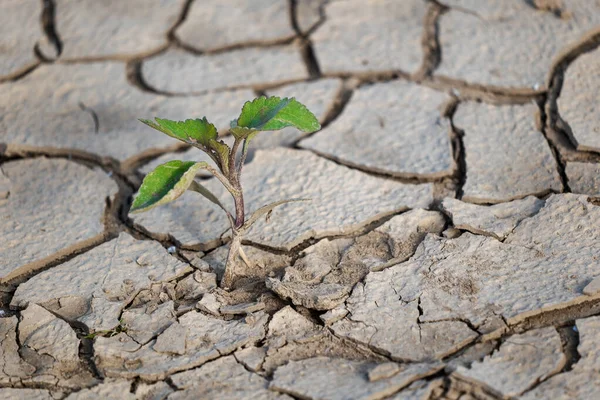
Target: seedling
column 170, row 180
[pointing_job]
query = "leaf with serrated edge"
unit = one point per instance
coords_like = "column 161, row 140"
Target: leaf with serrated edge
column 190, row 131
column 274, row 113
column 222, row 151
column 167, row 182
column 265, row 209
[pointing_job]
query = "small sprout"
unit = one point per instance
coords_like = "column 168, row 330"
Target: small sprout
column 170, row 180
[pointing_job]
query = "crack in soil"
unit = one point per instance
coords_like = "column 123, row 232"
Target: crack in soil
column 93, row 114
column 10, row 282
column 337, row 107
column 541, row 123
column 114, row 221
column 459, row 151
column 556, row 134
column 569, row 337
column 306, row 49
column 552, row 6
column 18, row 152
column 48, row 20
column 402, row 177
column 582, row 307
column 250, row 44
column 558, row 131
column 489, row 94
column 116, row 57
column 560, row 370
column 360, row 231
column 310, row 59
column 456, row 388
column 430, row 43
column 133, row 71
column 185, row 10
column 86, row 346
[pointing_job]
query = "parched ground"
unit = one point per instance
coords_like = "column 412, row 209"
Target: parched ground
column 451, row 249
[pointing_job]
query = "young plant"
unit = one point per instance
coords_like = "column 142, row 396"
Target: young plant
column 170, row 180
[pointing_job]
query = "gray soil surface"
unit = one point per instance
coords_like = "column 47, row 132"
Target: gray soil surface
column 450, row 250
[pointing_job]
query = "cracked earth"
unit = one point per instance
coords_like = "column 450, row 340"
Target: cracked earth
column 450, row 250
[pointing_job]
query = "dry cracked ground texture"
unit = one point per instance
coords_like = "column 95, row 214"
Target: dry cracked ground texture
column 450, row 250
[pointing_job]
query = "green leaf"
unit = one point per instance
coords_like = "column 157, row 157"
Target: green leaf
column 190, row 131
column 240, row 132
column 222, row 153
column 274, row 113
column 196, row 132
column 166, row 183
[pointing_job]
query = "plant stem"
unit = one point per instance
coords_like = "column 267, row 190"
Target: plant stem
column 243, row 157
column 234, row 248
column 233, row 169
column 234, row 191
column 239, row 209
